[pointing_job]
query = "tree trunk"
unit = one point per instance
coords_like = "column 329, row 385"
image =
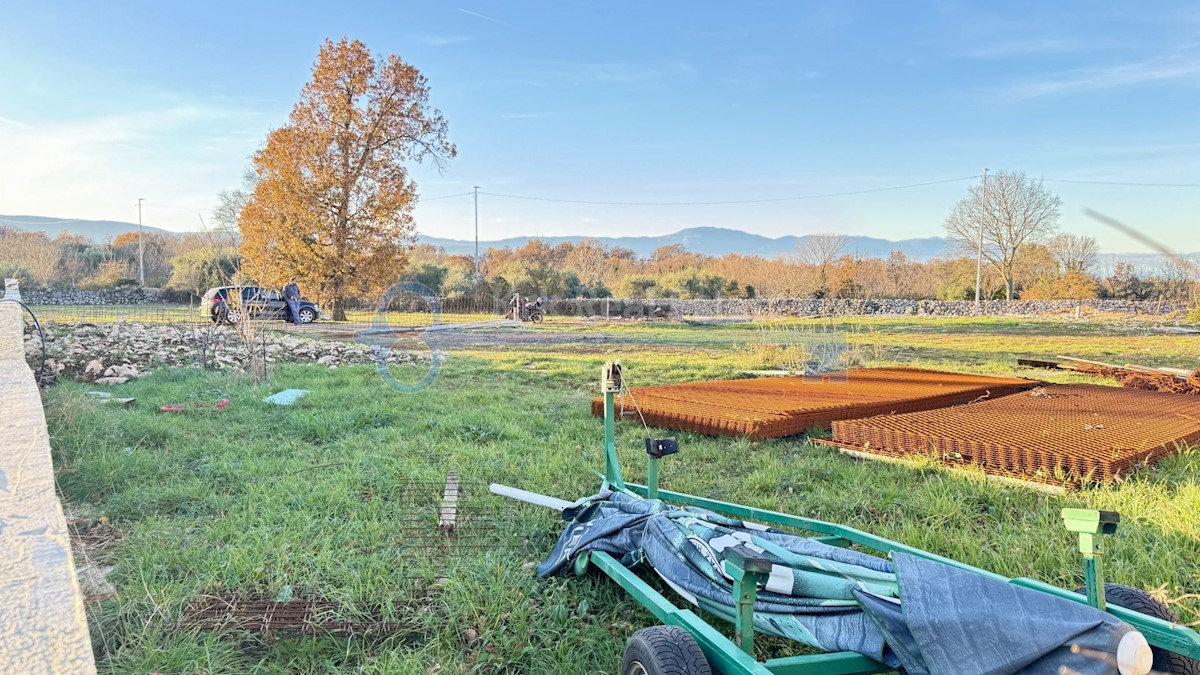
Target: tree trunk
column 339, row 308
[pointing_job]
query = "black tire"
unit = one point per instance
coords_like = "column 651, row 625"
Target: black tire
column 307, row 315
column 1165, row 662
column 663, row 650
column 536, row 317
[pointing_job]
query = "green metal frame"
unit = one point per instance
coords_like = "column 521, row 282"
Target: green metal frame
column 1091, row 524
column 724, row 655
column 1159, row 633
column 734, row 658
column 610, row 382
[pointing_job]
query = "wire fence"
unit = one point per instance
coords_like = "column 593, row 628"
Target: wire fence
column 412, row 313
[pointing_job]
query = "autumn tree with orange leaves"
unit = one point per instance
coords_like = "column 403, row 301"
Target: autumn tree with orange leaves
column 333, row 202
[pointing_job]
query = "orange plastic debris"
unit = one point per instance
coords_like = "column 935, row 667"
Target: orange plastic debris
column 195, row 406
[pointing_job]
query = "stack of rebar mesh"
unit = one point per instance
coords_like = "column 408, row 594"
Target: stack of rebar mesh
column 1058, row 434
column 1133, row 376
column 786, row 406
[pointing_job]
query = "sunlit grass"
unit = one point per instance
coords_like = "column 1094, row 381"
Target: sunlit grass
column 258, row 498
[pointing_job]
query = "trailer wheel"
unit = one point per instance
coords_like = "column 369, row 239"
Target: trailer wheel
column 663, row 650
column 1165, row 662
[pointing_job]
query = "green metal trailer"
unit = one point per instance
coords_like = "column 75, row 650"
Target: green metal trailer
column 685, row 638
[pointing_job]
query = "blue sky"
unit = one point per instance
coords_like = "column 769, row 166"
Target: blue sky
column 102, row 103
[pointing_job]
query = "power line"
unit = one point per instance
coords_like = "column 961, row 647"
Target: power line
column 1110, row 182
column 149, row 204
column 737, row 201
column 434, row 199
column 193, row 209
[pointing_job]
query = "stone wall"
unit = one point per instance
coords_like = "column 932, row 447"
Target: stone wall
column 74, row 296
column 43, row 628
column 812, row 306
column 840, row 307
column 659, row 307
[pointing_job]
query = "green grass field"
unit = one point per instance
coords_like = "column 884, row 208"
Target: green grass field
column 307, row 501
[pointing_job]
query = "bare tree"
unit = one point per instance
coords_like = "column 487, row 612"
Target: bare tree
column 589, row 259
column 228, row 211
column 1014, row 211
column 820, row 250
column 1075, row 253
column 32, row 251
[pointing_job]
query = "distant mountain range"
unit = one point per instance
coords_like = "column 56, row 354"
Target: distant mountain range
column 96, row 230
column 714, row 241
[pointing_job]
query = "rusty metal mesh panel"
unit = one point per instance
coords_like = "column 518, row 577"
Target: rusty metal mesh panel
column 480, row 520
column 226, row 612
column 444, row 519
column 785, row 406
column 1058, row 434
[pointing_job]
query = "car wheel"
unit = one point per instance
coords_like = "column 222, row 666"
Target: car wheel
column 1165, row 662
column 663, row 650
column 308, row 315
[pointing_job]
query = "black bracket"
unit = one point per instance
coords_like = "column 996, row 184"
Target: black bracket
column 1108, row 521
column 661, row 447
column 748, row 559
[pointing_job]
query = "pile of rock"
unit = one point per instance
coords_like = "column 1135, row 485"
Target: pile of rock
column 117, row 352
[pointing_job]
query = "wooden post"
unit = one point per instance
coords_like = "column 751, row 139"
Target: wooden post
column 449, row 516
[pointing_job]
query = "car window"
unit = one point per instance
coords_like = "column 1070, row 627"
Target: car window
column 272, row 295
column 250, row 294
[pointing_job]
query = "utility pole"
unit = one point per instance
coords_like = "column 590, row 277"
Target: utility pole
column 476, row 230
column 979, row 244
column 141, row 249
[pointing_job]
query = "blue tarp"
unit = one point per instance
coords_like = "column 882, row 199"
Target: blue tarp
column 919, row 615
column 286, row 397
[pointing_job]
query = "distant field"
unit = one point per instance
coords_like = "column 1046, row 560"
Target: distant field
column 308, row 502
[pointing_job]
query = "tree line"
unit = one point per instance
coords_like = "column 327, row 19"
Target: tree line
column 189, row 263
column 820, row 269
column 1064, row 267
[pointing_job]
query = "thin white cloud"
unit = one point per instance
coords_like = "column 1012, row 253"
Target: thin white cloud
column 622, row 73
column 1175, row 68
column 526, row 115
column 14, row 123
column 96, row 168
column 1028, row 47
column 730, row 35
column 444, row 40
column 482, row 16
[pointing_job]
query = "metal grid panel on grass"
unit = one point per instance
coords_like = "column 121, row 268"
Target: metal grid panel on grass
column 437, row 519
column 785, row 406
column 1058, row 434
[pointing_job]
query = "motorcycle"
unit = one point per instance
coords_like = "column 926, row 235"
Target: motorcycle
column 533, row 312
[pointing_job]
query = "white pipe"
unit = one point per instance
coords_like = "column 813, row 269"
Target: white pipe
column 1133, row 654
column 530, row 497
